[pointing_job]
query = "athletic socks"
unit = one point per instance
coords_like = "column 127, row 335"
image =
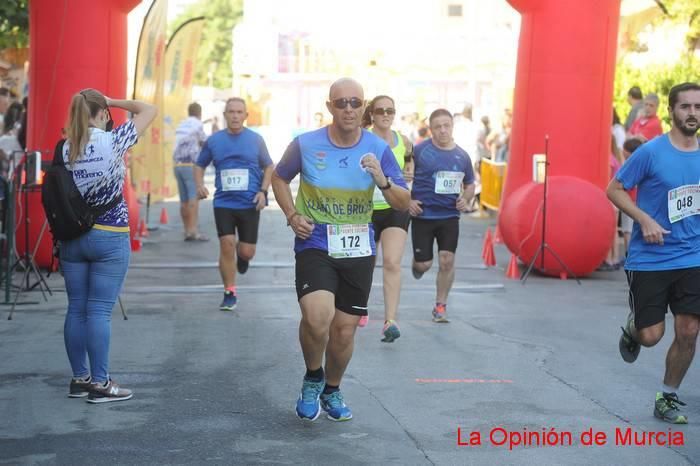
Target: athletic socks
column 665, row 389
column 315, row 375
column 328, row 389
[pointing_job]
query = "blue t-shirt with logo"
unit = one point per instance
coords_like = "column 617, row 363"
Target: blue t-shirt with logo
column 239, row 160
column 437, row 176
column 658, row 170
column 334, row 189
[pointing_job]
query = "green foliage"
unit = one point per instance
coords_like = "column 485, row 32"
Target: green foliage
column 14, row 23
column 215, row 49
column 685, row 12
column 658, row 79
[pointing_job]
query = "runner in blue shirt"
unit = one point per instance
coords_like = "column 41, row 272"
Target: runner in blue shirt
column 243, row 172
column 443, row 186
column 663, row 262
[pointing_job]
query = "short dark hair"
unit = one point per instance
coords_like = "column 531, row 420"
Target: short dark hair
column 635, row 92
column 194, row 109
column 632, row 145
column 437, row 113
column 4, row 91
column 677, row 89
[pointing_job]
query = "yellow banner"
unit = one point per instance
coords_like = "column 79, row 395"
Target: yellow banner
column 147, row 162
column 180, row 59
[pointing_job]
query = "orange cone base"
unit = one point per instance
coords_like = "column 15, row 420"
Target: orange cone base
column 512, row 271
column 163, row 216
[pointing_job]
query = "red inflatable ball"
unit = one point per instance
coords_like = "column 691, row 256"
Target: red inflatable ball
column 580, row 224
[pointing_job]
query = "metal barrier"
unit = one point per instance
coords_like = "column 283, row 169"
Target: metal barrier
column 492, row 176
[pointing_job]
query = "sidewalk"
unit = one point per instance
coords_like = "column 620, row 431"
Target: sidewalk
column 219, row 388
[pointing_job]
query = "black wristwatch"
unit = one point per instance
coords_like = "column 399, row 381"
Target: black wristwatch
column 386, row 186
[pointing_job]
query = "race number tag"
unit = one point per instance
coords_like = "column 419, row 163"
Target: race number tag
column 448, row 182
column 348, row 241
column 683, row 202
column 234, row 179
column 378, row 196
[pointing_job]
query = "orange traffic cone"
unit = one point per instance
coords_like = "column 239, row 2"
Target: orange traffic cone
column 143, row 229
column 488, row 243
column 497, row 235
column 563, row 275
column 512, row 271
column 135, row 245
column 163, row 217
column 490, row 258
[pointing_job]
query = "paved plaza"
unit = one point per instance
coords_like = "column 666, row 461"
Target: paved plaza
column 216, row 387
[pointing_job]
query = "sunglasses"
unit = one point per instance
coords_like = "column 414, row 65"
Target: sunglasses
column 342, row 103
column 384, row 111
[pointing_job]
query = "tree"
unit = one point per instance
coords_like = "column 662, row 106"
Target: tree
column 215, row 50
column 14, row 24
column 683, row 12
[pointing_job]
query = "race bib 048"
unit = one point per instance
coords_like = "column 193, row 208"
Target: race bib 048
column 683, row 202
column 348, row 241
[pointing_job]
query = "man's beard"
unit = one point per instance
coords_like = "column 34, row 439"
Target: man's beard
column 687, row 131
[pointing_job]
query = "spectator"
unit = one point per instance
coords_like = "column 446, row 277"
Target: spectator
column 618, row 130
column 647, row 126
column 634, row 98
column 189, row 138
column 465, row 132
column 626, row 221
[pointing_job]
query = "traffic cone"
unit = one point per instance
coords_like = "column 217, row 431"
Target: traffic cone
column 488, row 243
column 497, row 235
column 135, row 245
column 164, row 216
column 490, row 258
column 143, row 229
column 563, row 275
column 512, row 271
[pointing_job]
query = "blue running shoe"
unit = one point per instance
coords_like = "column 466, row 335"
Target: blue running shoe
column 334, row 406
column 229, row 302
column 308, row 406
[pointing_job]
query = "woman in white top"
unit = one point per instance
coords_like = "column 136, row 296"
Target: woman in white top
column 94, row 265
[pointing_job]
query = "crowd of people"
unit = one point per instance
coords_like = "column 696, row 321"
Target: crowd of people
column 363, row 185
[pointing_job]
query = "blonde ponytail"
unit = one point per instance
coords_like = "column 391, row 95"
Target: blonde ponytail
column 84, row 105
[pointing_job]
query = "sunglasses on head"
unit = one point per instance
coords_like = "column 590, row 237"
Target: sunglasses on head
column 384, row 111
column 342, row 103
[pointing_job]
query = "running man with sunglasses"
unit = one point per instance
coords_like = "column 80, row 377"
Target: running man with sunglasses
column 339, row 164
column 443, row 186
column 390, row 225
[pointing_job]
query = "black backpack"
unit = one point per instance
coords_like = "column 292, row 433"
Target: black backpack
column 68, row 214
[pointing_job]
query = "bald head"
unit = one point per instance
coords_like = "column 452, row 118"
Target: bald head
column 343, row 85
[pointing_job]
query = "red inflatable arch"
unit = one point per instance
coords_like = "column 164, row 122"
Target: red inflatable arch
column 563, row 88
column 74, row 44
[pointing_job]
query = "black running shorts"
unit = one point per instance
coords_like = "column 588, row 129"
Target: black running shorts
column 424, row 231
column 349, row 279
column 652, row 293
column 242, row 221
column 387, row 218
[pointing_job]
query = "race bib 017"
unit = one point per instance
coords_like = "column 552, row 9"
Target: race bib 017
column 234, row 179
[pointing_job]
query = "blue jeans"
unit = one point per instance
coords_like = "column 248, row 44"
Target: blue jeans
column 185, row 183
column 94, row 268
